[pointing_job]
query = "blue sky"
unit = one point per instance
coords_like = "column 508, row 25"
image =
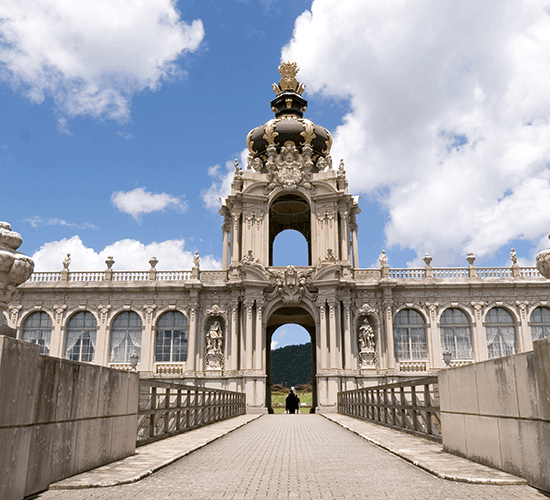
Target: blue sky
column 120, row 123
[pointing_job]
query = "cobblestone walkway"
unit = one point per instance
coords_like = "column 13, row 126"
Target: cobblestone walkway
column 294, row 457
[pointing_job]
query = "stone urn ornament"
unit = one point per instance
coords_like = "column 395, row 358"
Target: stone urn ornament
column 543, row 262
column 15, row 268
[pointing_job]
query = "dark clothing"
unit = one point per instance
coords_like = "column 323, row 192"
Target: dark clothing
column 292, row 403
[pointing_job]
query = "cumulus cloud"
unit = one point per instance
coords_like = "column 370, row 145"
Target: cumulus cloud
column 221, row 186
column 92, row 57
column 138, row 202
column 38, row 221
column 449, row 125
column 129, row 255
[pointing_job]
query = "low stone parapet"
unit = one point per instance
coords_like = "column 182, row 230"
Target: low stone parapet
column 497, row 413
column 59, row 418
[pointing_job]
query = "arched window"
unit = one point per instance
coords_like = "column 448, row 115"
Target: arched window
column 37, row 329
column 540, row 323
column 81, row 335
column 455, row 334
column 410, row 336
column 172, row 335
column 501, row 333
column 125, row 337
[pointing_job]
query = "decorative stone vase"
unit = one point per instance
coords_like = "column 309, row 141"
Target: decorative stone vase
column 15, row 268
column 543, row 262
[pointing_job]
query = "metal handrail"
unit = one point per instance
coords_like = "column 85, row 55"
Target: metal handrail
column 400, row 406
column 170, row 408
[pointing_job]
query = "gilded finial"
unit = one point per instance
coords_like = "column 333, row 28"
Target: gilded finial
column 288, row 81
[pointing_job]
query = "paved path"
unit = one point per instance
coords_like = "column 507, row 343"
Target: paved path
column 295, row 456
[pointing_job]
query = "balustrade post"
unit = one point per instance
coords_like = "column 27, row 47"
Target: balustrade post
column 153, row 407
column 428, row 412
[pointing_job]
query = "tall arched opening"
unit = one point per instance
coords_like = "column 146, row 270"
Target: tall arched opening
column 284, row 315
column 289, row 211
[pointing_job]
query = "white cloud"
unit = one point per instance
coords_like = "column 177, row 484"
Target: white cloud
column 138, row 202
column 129, row 255
column 274, row 344
column 221, row 187
column 37, row 221
column 92, row 57
column 450, row 115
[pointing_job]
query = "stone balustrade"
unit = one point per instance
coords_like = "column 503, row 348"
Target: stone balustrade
column 213, row 276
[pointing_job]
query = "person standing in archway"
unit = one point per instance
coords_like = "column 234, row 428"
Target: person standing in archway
column 292, row 402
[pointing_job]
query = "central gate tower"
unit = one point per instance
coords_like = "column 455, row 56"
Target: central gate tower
column 290, row 183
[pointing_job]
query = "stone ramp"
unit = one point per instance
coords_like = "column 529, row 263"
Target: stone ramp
column 423, row 453
column 152, row 457
column 426, row 454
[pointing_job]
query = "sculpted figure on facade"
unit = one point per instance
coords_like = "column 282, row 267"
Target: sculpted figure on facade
column 513, row 256
column 67, row 262
column 214, row 346
column 367, row 345
column 383, row 259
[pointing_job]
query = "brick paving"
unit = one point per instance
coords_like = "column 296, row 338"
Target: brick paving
column 294, row 457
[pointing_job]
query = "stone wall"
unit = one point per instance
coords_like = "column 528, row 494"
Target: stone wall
column 59, row 418
column 498, row 413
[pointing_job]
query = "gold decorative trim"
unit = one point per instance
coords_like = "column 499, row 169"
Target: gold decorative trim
column 270, row 132
column 249, row 142
column 329, row 142
column 309, row 130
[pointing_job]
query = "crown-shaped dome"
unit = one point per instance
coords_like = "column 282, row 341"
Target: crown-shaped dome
column 289, row 124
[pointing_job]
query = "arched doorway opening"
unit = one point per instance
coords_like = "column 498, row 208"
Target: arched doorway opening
column 290, row 248
column 286, row 315
column 290, row 211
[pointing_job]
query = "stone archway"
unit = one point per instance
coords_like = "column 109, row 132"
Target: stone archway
column 283, row 315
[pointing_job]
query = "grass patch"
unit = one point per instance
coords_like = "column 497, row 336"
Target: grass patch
column 278, row 401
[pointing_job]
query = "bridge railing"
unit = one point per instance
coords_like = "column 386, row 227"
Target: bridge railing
column 170, row 408
column 411, row 406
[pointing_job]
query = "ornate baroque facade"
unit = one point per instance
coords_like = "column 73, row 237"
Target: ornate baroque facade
column 214, row 327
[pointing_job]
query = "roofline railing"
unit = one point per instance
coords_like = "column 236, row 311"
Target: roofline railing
column 368, row 274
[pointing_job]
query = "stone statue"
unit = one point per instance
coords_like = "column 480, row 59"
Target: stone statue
column 383, row 258
column 366, row 336
column 196, row 260
column 513, row 256
column 67, row 262
column 214, row 338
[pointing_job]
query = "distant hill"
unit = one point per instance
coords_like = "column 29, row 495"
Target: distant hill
column 291, row 364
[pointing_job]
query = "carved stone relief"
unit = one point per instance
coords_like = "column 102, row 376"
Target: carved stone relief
column 291, row 285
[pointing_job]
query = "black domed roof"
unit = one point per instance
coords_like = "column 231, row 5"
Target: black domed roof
column 289, row 124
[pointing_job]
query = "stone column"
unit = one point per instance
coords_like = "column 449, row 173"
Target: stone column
column 103, row 339
column 15, row 268
column 225, row 249
column 525, row 341
column 235, row 239
column 433, row 337
column 322, row 346
column 259, row 353
column 333, row 335
column 479, row 336
column 355, row 247
column 192, row 344
column 56, row 347
column 389, row 337
column 350, row 360
column 344, row 237
column 248, row 344
column 148, row 340
column 234, row 347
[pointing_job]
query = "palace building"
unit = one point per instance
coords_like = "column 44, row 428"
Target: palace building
column 214, row 327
